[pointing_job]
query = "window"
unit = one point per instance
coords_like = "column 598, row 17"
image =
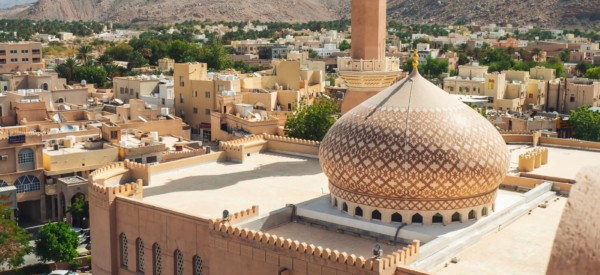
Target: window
column 151, row 159
column 26, row 159
column 13, row 51
column 472, row 215
column 344, row 207
column 121, row 90
column 14, row 60
column 437, row 218
column 207, row 111
column 2, row 52
column 3, row 183
column 417, row 218
column 456, row 217
column 163, row 101
column 138, row 160
column 25, row 59
column 195, row 93
column 195, row 110
column 24, row 51
column 3, row 61
column 289, row 106
column 27, row 183
column 157, row 259
column 113, row 135
column 490, row 99
column 396, row 217
column 181, row 81
column 36, row 60
column 451, row 88
column 376, row 215
column 491, row 84
column 178, row 262
column 460, row 89
column 45, row 86
column 207, row 94
column 358, row 211
column 572, row 99
column 140, row 255
column 130, row 91
column 530, row 95
column 124, row 252
column 197, row 265
column 181, row 98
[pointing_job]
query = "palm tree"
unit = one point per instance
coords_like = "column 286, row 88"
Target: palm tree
column 70, row 67
column 84, row 52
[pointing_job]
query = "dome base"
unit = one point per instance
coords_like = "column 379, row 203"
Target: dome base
column 425, row 217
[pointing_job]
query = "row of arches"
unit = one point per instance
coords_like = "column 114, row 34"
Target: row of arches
column 24, row 184
column 376, row 215
column 157, row 266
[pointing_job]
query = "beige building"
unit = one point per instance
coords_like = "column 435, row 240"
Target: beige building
column 569, row 94
column 198, row 94
column 21, row 166
column 22, row 56
column 135, row 87
column 509, row 90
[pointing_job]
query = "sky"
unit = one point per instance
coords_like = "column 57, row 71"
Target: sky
column 10, row 3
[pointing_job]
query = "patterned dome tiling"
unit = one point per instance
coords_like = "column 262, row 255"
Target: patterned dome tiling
column 412, row 146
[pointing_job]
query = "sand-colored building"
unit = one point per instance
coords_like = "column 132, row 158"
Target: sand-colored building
column 568, row 94
column 135, row 87
column 22, row 56
column 21, row 166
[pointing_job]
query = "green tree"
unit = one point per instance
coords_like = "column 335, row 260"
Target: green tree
column 120, row 52
column 84, row 52
column 312, row 54
column 585, row 123
column 565, row 55
column 91, row 74
column 216, row 56
column 14, row 240
column 593, row 73
column 79, row 211
column 583, row 66
column 312, row 122
column 344, row 45
column 67, row 70
column 56, row 242
column 136, row 60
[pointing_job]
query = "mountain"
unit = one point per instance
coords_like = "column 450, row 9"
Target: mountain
column 10, row 3
column 547, row 13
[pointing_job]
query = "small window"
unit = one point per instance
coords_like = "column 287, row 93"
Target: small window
column 207, row 111
column 195, row 93
column 178, row 262
column 197, row 265
column 114, row 135
column 207, row 94
column 151, row 159
column 358, row 211
column 195, row 110
column 572, row 99
column 140, row 255
column 181, row 81
column 138, row 160
column 157, row 259
column 124, row 251
column 530, row 95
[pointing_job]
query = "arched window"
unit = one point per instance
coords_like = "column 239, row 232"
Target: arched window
column 26, row 159
column 140, row 255
column 472, row 215
column 344, row 207
column 417, row 218
column 437, row 218
column 484, row 212
column 197, row 265
column 396, row 217
column 3, row 183
column 45, row 86
column 178, row 262
column 456, row 217
column 376, row 215
column 27, row 183
column 358, row 211
column 156, row 258
column 124, row 250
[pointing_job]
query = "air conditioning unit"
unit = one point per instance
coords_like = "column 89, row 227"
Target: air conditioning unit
column 4, row 157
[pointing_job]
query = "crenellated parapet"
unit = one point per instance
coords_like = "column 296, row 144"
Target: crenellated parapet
column 533, row 159
column 236, row 236
column 291, row 140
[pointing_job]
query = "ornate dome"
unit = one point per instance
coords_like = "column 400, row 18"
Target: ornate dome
column 414, row 148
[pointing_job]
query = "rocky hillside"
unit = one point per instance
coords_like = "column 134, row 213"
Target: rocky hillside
column 547, row 13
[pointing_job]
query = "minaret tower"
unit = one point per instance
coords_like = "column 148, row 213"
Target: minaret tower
column 368, row 70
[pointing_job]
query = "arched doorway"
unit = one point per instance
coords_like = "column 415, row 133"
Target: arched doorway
column 417, row 218
column 456, row 217
column 396, row 217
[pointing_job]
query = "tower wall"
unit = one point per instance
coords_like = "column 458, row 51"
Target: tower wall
column 368, row 29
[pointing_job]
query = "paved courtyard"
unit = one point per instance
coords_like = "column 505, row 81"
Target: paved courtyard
column 562, row 163
column 523, row 247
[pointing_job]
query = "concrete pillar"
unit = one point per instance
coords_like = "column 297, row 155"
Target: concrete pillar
column 447, row 219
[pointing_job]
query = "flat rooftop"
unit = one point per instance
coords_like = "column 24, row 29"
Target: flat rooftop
column 523, row 247
column 77, row 148
column 562, row 162
column 268, row 180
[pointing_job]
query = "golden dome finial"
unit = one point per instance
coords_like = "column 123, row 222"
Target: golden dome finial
column 415, row 59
